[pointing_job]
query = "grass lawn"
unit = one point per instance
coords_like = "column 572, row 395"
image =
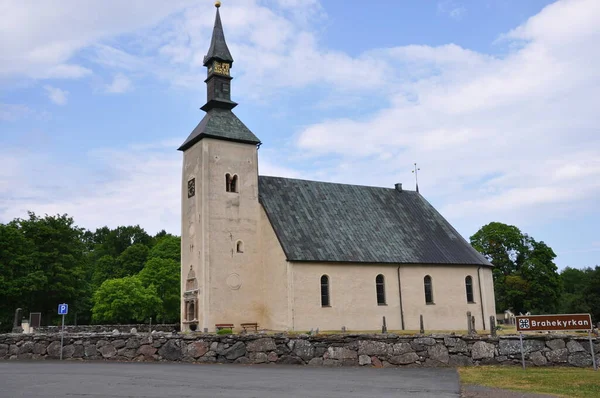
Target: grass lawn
column 563, row 382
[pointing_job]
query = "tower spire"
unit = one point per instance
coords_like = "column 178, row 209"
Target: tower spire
column 219, row 121
column 218, row 60
column 218, row 47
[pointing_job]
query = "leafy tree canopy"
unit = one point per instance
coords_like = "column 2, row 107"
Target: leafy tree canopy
column 125, row 300
column 525, row 276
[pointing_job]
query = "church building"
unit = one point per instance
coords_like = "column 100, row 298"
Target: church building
column 295, row 255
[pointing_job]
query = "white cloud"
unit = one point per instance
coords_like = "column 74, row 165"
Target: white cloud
column 39, row 39
column 136, row 185
column 120, row 84
column 512, row 137
column 56, row 95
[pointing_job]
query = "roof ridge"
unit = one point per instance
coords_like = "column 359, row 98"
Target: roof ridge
column 336, row 183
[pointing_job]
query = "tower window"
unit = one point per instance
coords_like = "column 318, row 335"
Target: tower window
column 231, row 182
column 380, row 287
column 428, row 289
column 469, row 286
column 325, row 291
column 239, row 246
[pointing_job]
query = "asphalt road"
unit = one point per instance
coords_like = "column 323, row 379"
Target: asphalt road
column 114, row 379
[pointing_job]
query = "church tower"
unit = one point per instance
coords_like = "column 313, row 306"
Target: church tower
column 220, row 212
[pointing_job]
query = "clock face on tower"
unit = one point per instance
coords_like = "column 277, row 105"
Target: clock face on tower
column 221, row 68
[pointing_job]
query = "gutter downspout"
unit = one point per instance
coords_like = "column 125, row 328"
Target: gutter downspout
column 480, row 296
column 400, row 297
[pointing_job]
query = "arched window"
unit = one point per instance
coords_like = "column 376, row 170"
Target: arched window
column 325, row 291
column 234, row 183
column 380, row 287
column 469, row 286
column 428, row 289
column 191, row 311
column 231, row 182
column 239, row 246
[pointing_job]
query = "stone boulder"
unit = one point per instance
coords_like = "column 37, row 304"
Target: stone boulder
column 482, row 350
column 558, row 356
column 107, row 351
column 512, row 347
column 404, row 359
column 258, row 357
column 538, row 359
column 364, row 360
column 341, row 353
column 171, row 350
column 261, row 345
column 235, row 351
column 439, row 353
column 556, row 344
column 574, row 346
column 580, row 359
column 197, row 349
column 53, row 350
column 133, row 343
column 401, row 348
column 26, row 348
column 68, row 351
column 304, row 349
column 378, row 348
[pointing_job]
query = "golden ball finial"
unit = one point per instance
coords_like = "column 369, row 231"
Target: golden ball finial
column 217, row 4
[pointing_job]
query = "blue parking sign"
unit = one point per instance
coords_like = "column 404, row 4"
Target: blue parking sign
column 63, row 309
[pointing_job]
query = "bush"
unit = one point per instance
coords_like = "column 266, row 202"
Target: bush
column 224, row 331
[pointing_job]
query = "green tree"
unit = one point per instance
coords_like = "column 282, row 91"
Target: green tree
column 104, row 268
column 53, row 267
column 592, row 293
column 525, row 276
column 132, row 260
column 581, row 291
column 17, row 276
column 162, row 274
column 168, row 247
column 125, row 300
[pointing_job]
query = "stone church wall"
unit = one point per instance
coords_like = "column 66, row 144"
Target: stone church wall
column 333, row 350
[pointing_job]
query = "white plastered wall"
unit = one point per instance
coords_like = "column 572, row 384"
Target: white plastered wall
column 354, row 301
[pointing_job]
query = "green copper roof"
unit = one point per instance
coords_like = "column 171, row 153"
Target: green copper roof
column 221, row 124
column 218, row 47
column 327, row 222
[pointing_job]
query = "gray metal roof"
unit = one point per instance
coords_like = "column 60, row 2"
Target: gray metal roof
column 221, row 124
column 218, row 47
column 328, row 222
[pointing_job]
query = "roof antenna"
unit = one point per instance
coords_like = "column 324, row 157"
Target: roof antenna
column 415, row 171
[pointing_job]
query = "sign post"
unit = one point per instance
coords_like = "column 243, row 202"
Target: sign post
column 562, row 322
column 592, row 350
column 63, row 309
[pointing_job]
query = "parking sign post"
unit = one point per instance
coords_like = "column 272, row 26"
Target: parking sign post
column 63, row 309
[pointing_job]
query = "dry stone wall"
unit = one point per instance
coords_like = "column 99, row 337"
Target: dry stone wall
column 161, row 327
column 335, row 350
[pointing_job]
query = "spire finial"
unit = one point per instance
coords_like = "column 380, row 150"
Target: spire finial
column 217, row 4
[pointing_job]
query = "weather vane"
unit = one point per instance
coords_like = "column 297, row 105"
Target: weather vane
column 416, row 173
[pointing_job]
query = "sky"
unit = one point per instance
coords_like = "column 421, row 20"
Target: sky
column 497, row 101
